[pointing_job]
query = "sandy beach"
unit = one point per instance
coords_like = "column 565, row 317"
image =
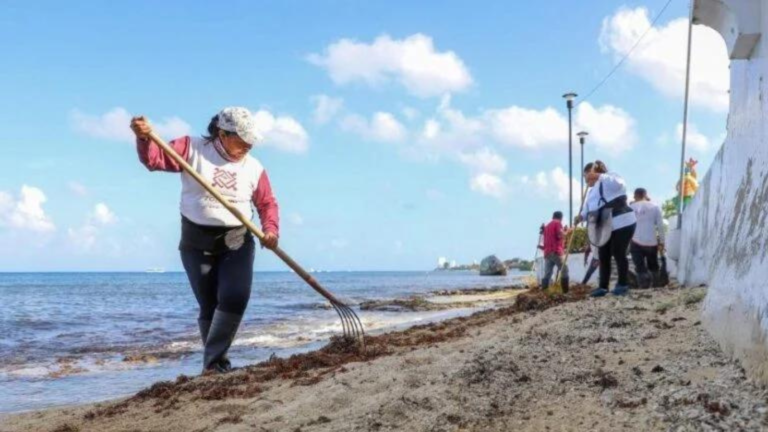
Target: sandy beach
column 639, row 363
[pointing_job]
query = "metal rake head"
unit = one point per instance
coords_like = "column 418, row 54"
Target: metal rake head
column 350, row 323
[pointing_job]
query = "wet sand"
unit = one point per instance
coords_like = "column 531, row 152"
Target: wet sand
column 542, row 363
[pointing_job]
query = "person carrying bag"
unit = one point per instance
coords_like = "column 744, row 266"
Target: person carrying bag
column 610, row 224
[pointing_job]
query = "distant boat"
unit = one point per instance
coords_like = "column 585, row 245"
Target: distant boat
column 155, row 270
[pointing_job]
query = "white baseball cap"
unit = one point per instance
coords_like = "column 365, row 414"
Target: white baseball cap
column 240, row 121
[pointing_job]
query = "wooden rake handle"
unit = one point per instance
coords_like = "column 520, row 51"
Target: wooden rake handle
column 247, row 222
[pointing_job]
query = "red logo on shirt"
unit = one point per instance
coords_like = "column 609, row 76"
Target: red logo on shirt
column 225, row 179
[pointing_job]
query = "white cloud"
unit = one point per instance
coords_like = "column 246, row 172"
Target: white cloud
column 103, row 215
column 431, row 129
column 610, row 129
column 450, row 132
column 694, row 139
column 484, row 161
column 326, row 108
column 77, row 188
column 660, row 58
column 86, row 237
column 552, row 184
column 559, row 179
column 470, row 141
column 382, row 127
column 114, row 125
column 173, row 127
column 459, row 125
column 488, row 184
column 412, row 61
column 25, row 212
column 296, row 219
column 527, row 128
column 282, row 132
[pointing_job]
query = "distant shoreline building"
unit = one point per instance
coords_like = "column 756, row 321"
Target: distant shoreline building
column 442, row 263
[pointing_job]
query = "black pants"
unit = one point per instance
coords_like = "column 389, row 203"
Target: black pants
column 222, row 280
column 616, row 248
column 646, row 259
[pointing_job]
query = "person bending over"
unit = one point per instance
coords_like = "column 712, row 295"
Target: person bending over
column 607, row 190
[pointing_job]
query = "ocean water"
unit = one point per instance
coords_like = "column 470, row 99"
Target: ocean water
column 72, row 338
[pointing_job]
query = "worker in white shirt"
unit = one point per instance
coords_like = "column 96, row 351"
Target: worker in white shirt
column 648, row 239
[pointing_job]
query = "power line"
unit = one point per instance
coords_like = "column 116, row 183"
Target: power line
column 626, row 56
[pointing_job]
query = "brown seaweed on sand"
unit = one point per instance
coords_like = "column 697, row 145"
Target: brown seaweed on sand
column 311, row 367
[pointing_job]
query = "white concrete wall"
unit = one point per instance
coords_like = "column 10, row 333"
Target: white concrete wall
column 724, row 240
column 576, row 269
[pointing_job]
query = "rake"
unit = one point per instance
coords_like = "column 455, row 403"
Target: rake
column 350, row 322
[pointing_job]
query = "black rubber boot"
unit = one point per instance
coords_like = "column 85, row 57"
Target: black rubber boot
column 565, row 284
column 222, row 333
column 205, row 326
column 655, row 279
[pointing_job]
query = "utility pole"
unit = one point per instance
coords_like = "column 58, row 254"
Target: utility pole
column 582, row 139
column 569, row 103
column 685, row 122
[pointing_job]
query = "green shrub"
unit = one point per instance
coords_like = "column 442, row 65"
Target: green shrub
column 579, row 242
column 525, row 266
column 669, row 208
column 694, row 297
column 662, row 308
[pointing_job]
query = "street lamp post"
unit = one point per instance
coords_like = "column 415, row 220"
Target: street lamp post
column 582, row 138
column 569, row 97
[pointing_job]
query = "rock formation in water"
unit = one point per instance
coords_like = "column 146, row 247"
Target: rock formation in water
column 492, row 266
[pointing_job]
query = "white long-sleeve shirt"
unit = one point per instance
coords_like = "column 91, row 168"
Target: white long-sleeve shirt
column 649, row 224
column 245, row 183
column 613, row 187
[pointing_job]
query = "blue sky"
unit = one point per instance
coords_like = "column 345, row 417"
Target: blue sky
column 397, row 132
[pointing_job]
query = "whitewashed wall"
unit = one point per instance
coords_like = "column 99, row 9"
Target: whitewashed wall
column 724, row 238
column 576, row 269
